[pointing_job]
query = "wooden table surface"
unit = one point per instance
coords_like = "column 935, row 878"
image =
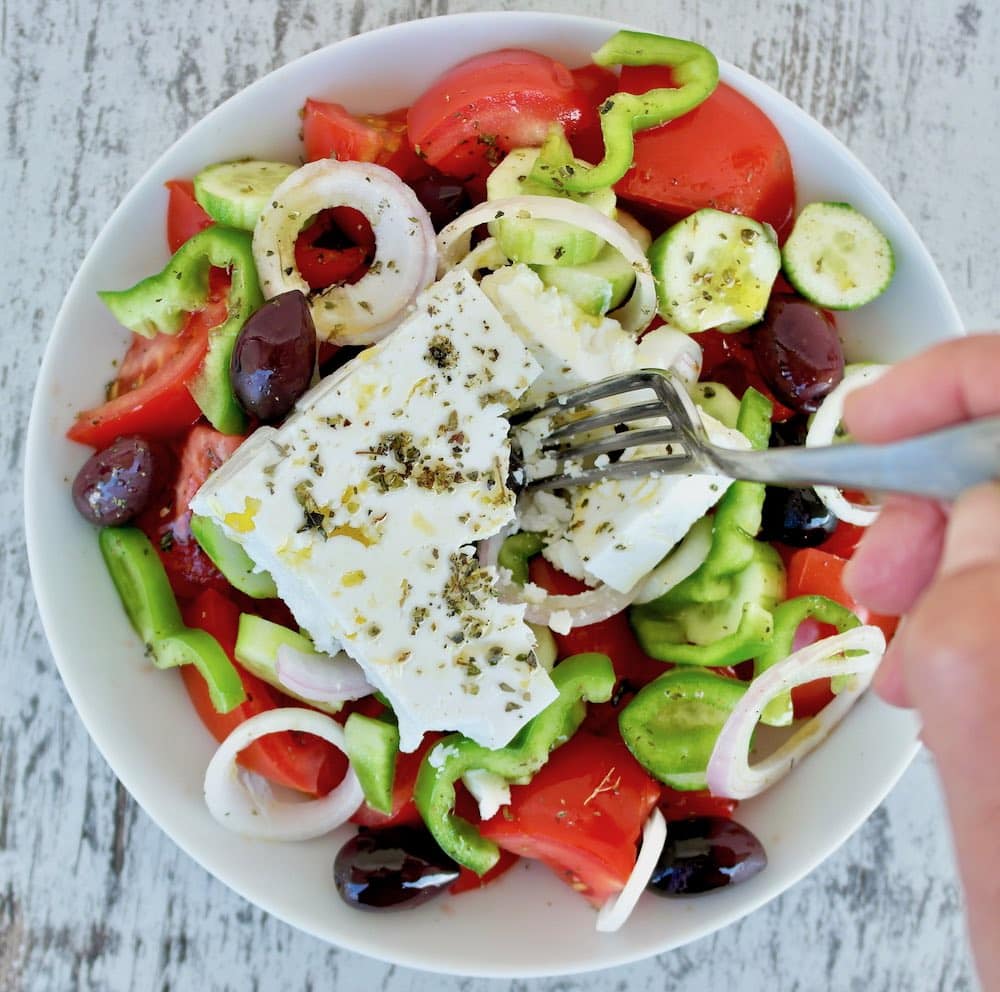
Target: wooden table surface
column 92, row 895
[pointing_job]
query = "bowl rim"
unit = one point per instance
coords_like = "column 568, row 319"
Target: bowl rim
column 146, row 794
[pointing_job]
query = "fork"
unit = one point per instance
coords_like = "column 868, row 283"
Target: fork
column 939, row 465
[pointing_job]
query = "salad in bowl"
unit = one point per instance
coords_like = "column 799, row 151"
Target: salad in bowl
column 421, row 671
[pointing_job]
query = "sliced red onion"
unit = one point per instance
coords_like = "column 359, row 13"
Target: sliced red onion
column 453, row 244
column 321, row 678
column 583, row 608
column 244, row 802
column 854, row 653
column 823, row 430
column 618, row 909
column 405, row 254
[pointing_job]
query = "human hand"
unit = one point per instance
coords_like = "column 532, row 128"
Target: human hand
column 941, row 566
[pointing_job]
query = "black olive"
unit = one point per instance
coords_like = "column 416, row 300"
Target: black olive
column 395, row 868
column 274, row 357
column 116, row 484
column 704, row 853
column 796, row 517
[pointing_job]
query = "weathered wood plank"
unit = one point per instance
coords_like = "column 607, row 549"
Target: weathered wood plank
column 92, row 896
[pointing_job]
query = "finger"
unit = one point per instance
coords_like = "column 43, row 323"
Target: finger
column 973, row 534
column 952, row 674
column 898, row 556
column 889, row 681
column 951, row 382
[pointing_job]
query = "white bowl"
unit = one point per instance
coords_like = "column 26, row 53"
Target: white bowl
column 528, row 924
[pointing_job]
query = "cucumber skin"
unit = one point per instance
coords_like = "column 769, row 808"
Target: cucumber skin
column 802, row 286
column 668, row 256
column 256, row 180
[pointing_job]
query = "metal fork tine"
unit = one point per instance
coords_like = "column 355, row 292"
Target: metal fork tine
column 620, row 415
column 615, row 442
column 638, row 468
column 586, row 395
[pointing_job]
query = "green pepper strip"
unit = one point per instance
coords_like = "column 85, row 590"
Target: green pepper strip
column 145, row 592
column 160, row 304
column 672, row 724
column 516, row 551
column 696, row 72
column 580, row 679
column 787, row 617
column 723, row 633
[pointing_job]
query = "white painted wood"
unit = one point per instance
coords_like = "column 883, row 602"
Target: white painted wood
column 92, row 895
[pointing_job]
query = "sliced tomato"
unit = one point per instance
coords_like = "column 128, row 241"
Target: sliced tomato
column 613, row 637
column 845, row 538
column 581, row 814
column 812, row 572
column 404, row 810
column 336, row 247
column 204, row 450
column 729, row 360
column 185, row 215
column 331, row 131
column 482, row 108
column 725, row 154
column 469, row 881
column 682, row 805
column 299, row 761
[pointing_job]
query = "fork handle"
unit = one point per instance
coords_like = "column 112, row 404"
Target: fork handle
column 939, row 465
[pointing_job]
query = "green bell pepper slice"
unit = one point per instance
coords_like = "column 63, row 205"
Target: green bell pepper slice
column 160, row 304
column 696, row 72
column 516, row 551
column 787, row 617
column 142, row 584
column 581, row 679
column 726, row 632
column 672, row 724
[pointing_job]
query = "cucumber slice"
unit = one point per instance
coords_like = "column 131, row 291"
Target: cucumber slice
column 717, row 401
column 542, row 242
column 836, row 257
column 714, row 269
column 603, row 284
column 372, row 746
column 235, row 193
column 230, row 559
column 257, row 643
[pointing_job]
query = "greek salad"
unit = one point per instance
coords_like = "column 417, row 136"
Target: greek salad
column 306, row 498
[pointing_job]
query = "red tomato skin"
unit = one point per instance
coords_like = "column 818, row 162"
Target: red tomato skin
column 725, row 154
column 298, row 761
column 581, row 814
column 469, row 881
column 813, row 572
column 676, row 805
column 404, row 810
column 185, row 215
column 594, row 84
column 322, row 267
column 489, row 104
column 612, row 637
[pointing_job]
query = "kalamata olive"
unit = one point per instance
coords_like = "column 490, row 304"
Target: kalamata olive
column 396, row 868
column 798, row 352
column 274, row 357
column 796, row 517
column 705, row 853
column 790, row 433
column 116, row 484
column 443, row 198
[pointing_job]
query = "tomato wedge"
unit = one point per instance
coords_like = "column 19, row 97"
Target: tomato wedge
column 299, row 761
column 818, row 573
column 581, row 815
column 185, row 215
column 151, row 397
column 725, row 154
column 482, row 108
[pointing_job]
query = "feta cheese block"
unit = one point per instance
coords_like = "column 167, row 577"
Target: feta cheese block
column 623, row 529
column 365, row 504
column 575, row 348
